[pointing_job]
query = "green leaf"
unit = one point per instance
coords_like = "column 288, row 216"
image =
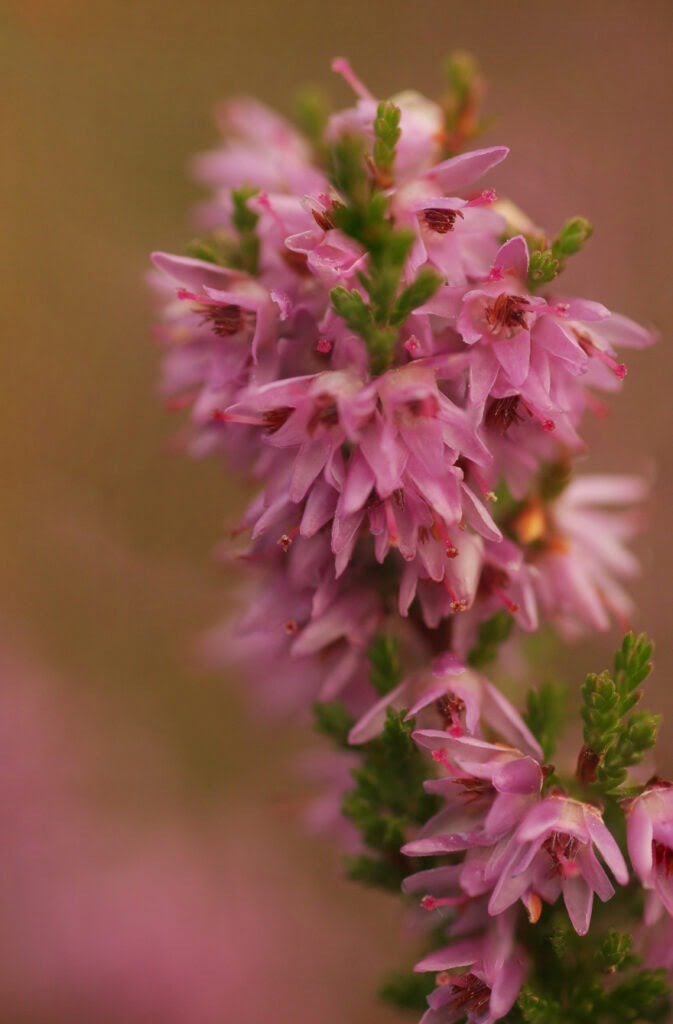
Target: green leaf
column 348, row 171
column 388, row 799
column 311, row 112
column 386, row 136
column 491, row 635
column 375, row 872
column 384, row 657
column 547, row 263
column 209, row 251
column 536, row 1008
column 545, row 716
column 245, row 222
column 352, row 308
column 332, row 720
column 421, row 289
column 617, row 734
column 408, row 991
column 616, row 953
column 574, row 234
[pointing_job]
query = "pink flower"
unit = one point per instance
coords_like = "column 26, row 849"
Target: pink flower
column 495, row 970
column 552, row 853
column 464, row 701
column 582, row 554
column 486, row 791
column 261, row 149
column 400, row 481
column 650, row 839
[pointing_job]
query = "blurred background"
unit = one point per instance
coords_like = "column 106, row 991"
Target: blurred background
column 155, row 867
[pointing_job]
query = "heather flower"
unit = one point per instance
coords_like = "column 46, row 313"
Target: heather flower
column 577, row 546
column 650, row 839
column 552, row 853
column 495, row 968
column 401, row 478
column 261, row 149
column 486, row 791
column 380, row 344
column 464, row 701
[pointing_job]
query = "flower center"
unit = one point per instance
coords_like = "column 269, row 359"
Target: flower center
column 441, row 221
column 224, row 320
column 470, row 993
column 506, row 314
column 563, row 850
column 325, row 414
column 502, row 413
column 663, row 857
column 450, row 708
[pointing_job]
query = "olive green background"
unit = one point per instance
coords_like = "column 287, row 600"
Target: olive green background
column 106, row 534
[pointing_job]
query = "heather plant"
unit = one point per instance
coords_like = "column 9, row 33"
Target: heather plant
column 385, row 345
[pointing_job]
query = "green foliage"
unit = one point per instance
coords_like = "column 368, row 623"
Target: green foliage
column 377, row 872
column 592, row 980
column 332, row 720
column 384, row 658
column 408, row 991
column 491, row 634
column 547, row 263
column 352, row 308
column 461, row 104
column 545, row 715
column 420, row 290
column 210, row 250
column 618, row 735
column 615, row 953
column 245, row 221
column 553, row 479
column 574, row 234
column 311, row 111
column 386, row 136
column 388, row 799
column 364, row 216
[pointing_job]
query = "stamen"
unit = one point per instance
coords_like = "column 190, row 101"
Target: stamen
column 324, row 345
column 502, row 413
column 441, row 221
column 506, row 314
column 285, row 541
column 533, row 905
column 391, row 523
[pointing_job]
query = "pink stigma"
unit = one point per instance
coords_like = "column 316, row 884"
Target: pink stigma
column 439, row 756
column 548, row 425
column 324, row 345
column 412, row 345
column 489, row 195
column 343, row 68
column 432, row 902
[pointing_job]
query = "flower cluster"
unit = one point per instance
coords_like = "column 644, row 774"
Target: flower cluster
column 379, row 339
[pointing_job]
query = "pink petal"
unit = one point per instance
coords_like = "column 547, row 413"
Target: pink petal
column 461, row 171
